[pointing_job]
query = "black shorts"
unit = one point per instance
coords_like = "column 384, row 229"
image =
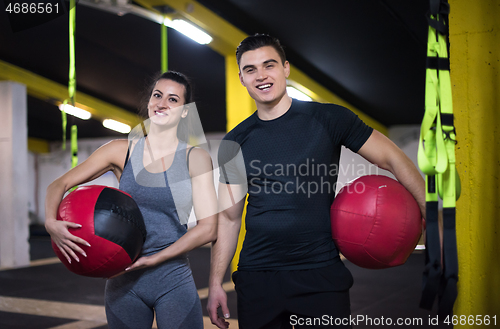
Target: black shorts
column 315, row 298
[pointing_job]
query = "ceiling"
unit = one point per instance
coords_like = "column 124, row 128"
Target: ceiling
column 370, row 53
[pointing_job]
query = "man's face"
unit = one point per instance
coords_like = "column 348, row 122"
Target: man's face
column 263, row 74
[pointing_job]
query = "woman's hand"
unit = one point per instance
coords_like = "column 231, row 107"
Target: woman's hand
column 64, row 240
column 141, row 262
column 109, row 157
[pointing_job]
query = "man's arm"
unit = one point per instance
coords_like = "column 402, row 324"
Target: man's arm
column 381, row 151
column 231, row 203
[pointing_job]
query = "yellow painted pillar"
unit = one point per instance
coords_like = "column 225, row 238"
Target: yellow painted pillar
column 475, row 65
column 37, row 145
column 239, row 106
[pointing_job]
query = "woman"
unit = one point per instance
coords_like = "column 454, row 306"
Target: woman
column 166, row 177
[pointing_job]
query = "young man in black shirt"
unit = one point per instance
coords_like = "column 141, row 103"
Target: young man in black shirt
column 289, row 268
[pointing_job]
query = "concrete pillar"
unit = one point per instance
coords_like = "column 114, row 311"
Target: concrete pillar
column 475, row 65
column 14, row 221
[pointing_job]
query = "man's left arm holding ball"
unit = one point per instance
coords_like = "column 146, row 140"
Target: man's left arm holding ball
column 382, row 152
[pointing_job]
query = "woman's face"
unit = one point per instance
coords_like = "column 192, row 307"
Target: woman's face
column 165, row 105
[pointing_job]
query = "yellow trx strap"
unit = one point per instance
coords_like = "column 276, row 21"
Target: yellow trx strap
column 71, row 86
column 436, row 159
column 164, row 48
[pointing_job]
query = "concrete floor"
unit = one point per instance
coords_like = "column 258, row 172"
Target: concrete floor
column 47, row 295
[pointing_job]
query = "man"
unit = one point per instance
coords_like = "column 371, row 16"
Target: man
column 289, row 267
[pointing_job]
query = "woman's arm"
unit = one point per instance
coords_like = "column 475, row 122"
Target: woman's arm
column 205, row 209
column 109, row 157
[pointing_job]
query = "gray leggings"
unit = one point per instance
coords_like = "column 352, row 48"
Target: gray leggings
column 168, row 290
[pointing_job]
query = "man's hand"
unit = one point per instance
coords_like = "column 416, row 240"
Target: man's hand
column 217, row 297
column 231, row 203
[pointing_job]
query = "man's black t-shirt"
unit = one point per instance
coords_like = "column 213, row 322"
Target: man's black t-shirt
column 290, row 166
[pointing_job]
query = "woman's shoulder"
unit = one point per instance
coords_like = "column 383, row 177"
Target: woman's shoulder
column 116, row 145
column 197, row 153
column 198, row 158
column 114, row 150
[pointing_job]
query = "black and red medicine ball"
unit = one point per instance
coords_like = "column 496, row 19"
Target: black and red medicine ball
column 111, row 223
column 376, row 222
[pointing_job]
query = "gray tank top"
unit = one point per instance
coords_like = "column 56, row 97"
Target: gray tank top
column 165, row 199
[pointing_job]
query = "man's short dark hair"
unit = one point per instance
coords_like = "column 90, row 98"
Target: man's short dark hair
column 257, row 41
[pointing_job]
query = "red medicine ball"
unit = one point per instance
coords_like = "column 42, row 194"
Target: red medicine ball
column 376, row 222
column 111, row 223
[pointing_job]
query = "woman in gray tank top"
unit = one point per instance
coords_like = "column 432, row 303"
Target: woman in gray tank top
column 166, row 178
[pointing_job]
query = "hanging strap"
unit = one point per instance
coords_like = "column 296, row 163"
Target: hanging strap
column 433, row 271
column 164, row 48
column 71, row 88
column 432, row 155
column 64, row 124
column 436, row 158
column 72, row 80
column 71, row 91
column 74, row 146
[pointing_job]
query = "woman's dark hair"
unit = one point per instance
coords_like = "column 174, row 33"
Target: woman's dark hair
column 257, row 41
column 183, row 129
